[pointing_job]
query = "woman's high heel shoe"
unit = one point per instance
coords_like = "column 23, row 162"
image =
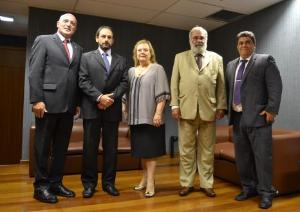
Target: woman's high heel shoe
column 139, row 187
column 142, row 184
column 149, row 194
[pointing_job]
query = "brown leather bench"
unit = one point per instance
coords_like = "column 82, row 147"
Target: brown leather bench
column 74, row 154
column 286, row 160
column 222, row 136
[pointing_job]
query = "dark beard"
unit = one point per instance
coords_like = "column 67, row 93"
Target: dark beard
column 105, row 47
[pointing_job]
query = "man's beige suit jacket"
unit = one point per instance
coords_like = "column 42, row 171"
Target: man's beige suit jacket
column 195, row 90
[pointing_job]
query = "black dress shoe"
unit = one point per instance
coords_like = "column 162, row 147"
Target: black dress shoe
column 110, row 189
column 265, row 203
column 44, row 195
column 61, row 190
column 88, row 192
column 275, row 192
column 245, row 195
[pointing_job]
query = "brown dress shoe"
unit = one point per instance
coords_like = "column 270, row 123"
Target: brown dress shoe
column 208, row 192
column 185, row 190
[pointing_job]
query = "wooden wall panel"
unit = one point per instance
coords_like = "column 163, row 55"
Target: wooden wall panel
column 12, row 68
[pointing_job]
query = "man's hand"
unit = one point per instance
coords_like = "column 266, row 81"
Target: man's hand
column 270, row 117
column 105, row 101
column 220, row 114
column 77, row 113
column 100, row 106
column 176, row 114
column 39, row 108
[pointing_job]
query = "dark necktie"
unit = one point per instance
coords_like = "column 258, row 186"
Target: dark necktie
column 65, row 42
column 199, row 60
column 238, row 83
column 106, row 62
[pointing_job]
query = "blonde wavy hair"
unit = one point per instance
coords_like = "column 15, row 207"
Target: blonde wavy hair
column 152, row 53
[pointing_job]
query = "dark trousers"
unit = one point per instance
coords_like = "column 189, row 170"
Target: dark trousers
column 52, row 135
column 92, row 133
column 253, row 150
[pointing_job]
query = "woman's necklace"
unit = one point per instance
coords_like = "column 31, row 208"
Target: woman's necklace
column 140, row 71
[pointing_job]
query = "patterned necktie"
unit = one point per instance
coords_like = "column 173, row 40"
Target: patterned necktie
column 199, row 60
column 106, row 62
column 65, row 42
column 238, row 83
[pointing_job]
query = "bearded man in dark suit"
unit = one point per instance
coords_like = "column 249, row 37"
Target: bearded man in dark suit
column 254, row 90
column 54, row 94
column 103, row 78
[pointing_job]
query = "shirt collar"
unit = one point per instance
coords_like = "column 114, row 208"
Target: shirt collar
column 108, row 52
column 202, row 54
column 248, row 58
column 61, row 37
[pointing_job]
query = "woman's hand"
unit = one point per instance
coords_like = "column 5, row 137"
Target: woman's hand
column 157, row 119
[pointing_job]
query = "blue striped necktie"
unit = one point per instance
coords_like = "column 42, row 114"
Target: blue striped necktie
column 106, row 62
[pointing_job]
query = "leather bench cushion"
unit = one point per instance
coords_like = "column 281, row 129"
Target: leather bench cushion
column 222, row 133
column 279, row 131
column 225, row 151
column 77, row 147
column 77, row 131
column 123, row 130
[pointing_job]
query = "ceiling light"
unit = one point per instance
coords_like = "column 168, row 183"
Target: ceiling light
column 7, row 19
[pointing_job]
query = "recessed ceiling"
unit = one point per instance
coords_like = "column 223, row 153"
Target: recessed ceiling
column 178, row 14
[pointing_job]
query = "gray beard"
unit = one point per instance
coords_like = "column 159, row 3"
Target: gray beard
column 198, row 49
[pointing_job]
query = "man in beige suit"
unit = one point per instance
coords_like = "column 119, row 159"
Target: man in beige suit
column 197, row 98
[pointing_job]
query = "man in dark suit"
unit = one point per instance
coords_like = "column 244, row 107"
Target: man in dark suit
column 53, row 79
column 103, row 78
column 254, row 90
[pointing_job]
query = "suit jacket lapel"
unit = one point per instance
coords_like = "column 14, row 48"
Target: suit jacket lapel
column 75, row 51
column 99, row 58
column 248, row 68
column 232, row 76
column 60, row 45
column 205, row 60
column 114, row 62
column 192, row 60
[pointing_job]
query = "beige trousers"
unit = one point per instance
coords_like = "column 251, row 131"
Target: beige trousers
column 196, row 149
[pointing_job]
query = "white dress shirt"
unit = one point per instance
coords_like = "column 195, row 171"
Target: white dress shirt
column 108, row 53
column 69, row 45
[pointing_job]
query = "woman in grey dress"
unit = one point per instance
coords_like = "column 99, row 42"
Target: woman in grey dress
column 148, row 93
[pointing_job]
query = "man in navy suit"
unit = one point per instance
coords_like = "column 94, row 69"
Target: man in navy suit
column 103, row 78
column 254, row 90
column 54, row 94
